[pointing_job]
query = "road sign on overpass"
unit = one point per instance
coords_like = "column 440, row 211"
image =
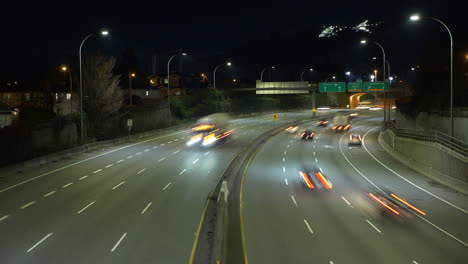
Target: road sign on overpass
column 330, row 87
column 355, row 87
column 376, row 86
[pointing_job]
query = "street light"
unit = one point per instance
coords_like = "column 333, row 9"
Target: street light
column 214, row 72
column 65, row 69
column 302, row 73
column 417, row 17
column 130, row 76
column 334, row 77
column 347, row 73
column 375, row 74
column 103, row 33
column 168, row 85
column 261, row 74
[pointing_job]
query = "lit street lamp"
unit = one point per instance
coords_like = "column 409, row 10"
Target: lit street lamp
column 214, row 73
column 302, row 73
column 103, row 33
column 130, row 76
column 65, row 69
column 168, row 85
column 261, row 74
column 416, row 18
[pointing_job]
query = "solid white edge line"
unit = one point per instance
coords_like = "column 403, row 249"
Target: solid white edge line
column 294, row 200
column 110, row 165
column 146, row 208
column 117, row 186
column 369, row 222
column 408, row 181
column 182, row 172
column 308, row 226
column 40, row 241
column 66, row 185
column 141, row 171
column 346, row 201
column 165, row 187
column 82, row 178
column 27, row 205
column 118, row 242
column 96, row 171
column 49, row 194
column 4, row 217
column 443, row 231
column 86, row 207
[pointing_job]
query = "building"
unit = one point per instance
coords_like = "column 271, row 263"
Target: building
column 180, row 84
column 7, row 115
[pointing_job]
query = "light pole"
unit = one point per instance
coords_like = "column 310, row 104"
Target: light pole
column 302, row 73
column 214, row 73
column 65, row 69
column 130, row 76
column 416, row 18
column 168, row 85
column 104, row 33
column 263, row 70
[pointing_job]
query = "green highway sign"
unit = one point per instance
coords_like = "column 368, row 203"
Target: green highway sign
column 355, row 87
column 376, row 86
column 331, row 87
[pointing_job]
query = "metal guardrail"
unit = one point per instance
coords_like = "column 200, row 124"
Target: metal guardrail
column 430, row 136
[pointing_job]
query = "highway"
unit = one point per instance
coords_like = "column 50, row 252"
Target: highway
column 133, row 203
column 285, row 222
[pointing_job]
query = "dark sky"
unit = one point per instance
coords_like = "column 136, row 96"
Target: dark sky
column 37, row 37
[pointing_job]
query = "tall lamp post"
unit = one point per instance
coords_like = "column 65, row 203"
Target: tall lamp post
column 130, row 76
column 65, row 69
column 416, row 18
column 103, row 33
column 168, row 85
column 263, row 70
column 214, row 73
column 302, row 73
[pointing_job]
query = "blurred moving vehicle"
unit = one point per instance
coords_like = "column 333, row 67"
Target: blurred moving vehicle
column 355, row 139
column 341, row 123
column 322, row 122
column 210, row 130
column 292, row 129
column 314, row 179
column 308, row 134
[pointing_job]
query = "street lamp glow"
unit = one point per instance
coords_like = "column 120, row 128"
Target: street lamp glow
column 64, row 68
column 313, row 69
column 334, row 77
column 104, row 32
column 363, row 41
column 390, row 78
column 348, row 73
column 414, row 17
column 372, row 77
column 272, row 67
column 412, row 68
column 374, row 58
column 228, row 64
column 184, row 54
column 132, row 74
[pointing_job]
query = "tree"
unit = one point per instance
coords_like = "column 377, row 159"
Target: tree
column 103, row 95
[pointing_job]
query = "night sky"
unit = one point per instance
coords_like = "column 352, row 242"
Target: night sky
column 36, row 38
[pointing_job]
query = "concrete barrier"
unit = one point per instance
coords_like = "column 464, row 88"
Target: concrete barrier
column 431, row 159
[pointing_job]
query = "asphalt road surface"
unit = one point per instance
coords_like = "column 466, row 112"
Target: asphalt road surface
column 285, row 222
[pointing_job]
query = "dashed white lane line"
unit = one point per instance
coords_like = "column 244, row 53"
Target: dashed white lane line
column 308, row 227
column 146, row 150
column 4, row 217
column 286, row 181
column 290, row 141
column 284, row 169
column 175, row 152
column 376, row 229
column 49, row 194
column 117, row 186
column 86, row 207
column 129, row 157
column 155, row 147
column 82, row 178
column 96, row 171
column 169, row 142
column 163, row 144
column 314, row 146
column 120, row 161
column 110, row 165
column 206, row 153
column 285, row 152
column 38, row 243
column 316, row 160
column 195, row 161
column 142, row 170
column 346, row 201
column 139, row 153
column 283, row 159
column 414, row 262
column 321, row 170
column 182, row 172
column 331, row 262
column 146, row 208
column 176, row 140
column 118, row 242
column 165, row 187
column 287, row 146
column 161, row 159
column 28, row 204
column 313, row 153
column 294, row 200
column 66, row 185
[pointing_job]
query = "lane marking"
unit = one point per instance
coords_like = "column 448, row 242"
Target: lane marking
column 118, row 242
column 283, row 159
column 182, row 172
column 139, row 153
column 195, row 161
column 414, row 262
column 369, row 222
column 408, row 181
column 308, row 227
column 206, row 153
column 294, row 200
column 286, row 181
column 82, row 178
column 155, row 147
column 120, row 161
column 96, row 171
column 284, row 169
column 165, row 187
column 28, row 204
column 146, row 208
column 40, row 241
column 314, row 146
column 129, row 157
column 175, row 152
column 146, row 150
column 316, row 160
column 346, row 201
column 49, row 194
column 285, row 152
column 163, row 144
column 176, row 140
column 169, row 142
column 290, row 141
column 66, row 185
column 314, row 153
column 288, row 146
column 110, row 165
column 86, row 207
column 443, row 231
column 141, row 171
column 117, row 186
column 4, row 217
column 161, row 159
column 331, row 262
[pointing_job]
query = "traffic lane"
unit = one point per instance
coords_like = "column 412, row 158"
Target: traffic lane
column 436, row 209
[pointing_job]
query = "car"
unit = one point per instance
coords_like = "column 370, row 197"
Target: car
column 307, row 135
column 314, row 179
column 292, row 129
column 322, row 122
column 355, row 139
